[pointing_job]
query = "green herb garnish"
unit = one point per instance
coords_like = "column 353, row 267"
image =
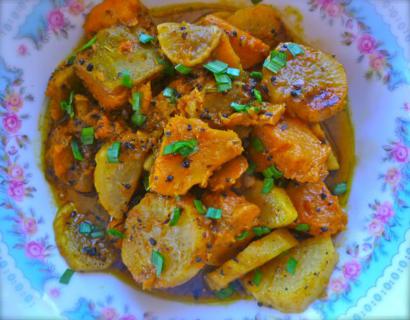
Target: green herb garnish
column 76, row 150
column 87, row 135
column 66, row 277
column 145, row 38
column 136, row 101
column 88, row 44
column 216, row 66
column 170, row 93
column 261, row 230
column 199, row 206
column 256, row 75
column 233, row 72
column 85, row 228
column 256, row 1
column 183, row 69
column 268, row 184
column 67, row 105
column 275, row 62
column 240, row 107
column 113, row 152
column 146, row 182
column 272, row 172
column 138, row 119
column 257, row 144
column 182, row 147
column 302, row 227
column 257, row 94
column 339, row 189
column 115, row 233
column 291, row 265
column 176, row 214
column 257, row 277
column 294, row 49
column 157, row 259
column 126, row 80
column 168, row 67
column 251, row 167
column 225, row 292
column 243, row 235
column 97, row 234
column 213, row 213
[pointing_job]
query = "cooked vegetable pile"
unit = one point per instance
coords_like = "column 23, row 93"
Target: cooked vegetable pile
column 188, row 148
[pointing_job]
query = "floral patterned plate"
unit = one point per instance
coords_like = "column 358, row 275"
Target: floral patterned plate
column 372, row 40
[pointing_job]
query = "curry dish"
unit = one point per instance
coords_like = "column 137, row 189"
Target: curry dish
column 200, row 151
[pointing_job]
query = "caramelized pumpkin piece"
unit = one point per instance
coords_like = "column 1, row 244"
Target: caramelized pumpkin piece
column 317, row 208
column 313, row 84
column 116, row 62
column 112, row 12
column 225, row 52
column 175, row 173
column 149, row 231
column 227, row 175
column 187, row 43
column 262, row 21
column 250, row 50
column 238, row 216
column 294, row 150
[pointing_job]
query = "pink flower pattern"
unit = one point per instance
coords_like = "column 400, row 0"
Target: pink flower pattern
column 384, row 212
column 13, row 101
column 109, row 313
column 352, row 269
column 366, row 44
column 56, row 20
column 76, row 7
column 22, row 50
column 376, row 228
column 16, row 190
column 11, row 122
column 35, row 250
column 29, row 226
column 338, row 285
column 392, row 177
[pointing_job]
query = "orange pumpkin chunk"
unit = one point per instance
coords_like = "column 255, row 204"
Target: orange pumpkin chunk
column 295, row 150
column 227, row 175
column 318, row 208
column 238, row 215
column 174, row 174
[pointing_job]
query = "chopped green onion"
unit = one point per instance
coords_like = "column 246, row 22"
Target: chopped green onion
column 291, row 265
column 272, row 172
column 71, row 59
column 66, row 277
column 222, row 78
column 136, row 101
column 115, row 233
column 76, row 151
column 213, row 213
column 170, row 93
column 261, row 230
column 240, row 107
column 257, row 277
column 157, row 259
column 256, row 1
column 138, row 119
column 88, row 44
column 233, row 72
column 176, row 214
column 87, row 135
column 113, row 152
column 242, row 236
column 97, row 234
column 225, row 292
column 223, row 87
column 257, row 94
column 182, row 147
column 268, row 184
column 145, row 38
column 183, row 69
column 67, row 106
column 256, row 75
column 294, row 49
column 302, row 227
column 339, row 189
column 199, row 206
column 85, row 228
column 251, row 167
column 275, row 62
column 216, row 66
column 168, row 67
column 126, row 80
column 257, row 144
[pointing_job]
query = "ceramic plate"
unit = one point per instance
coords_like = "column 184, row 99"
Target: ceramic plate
column 371, row 39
